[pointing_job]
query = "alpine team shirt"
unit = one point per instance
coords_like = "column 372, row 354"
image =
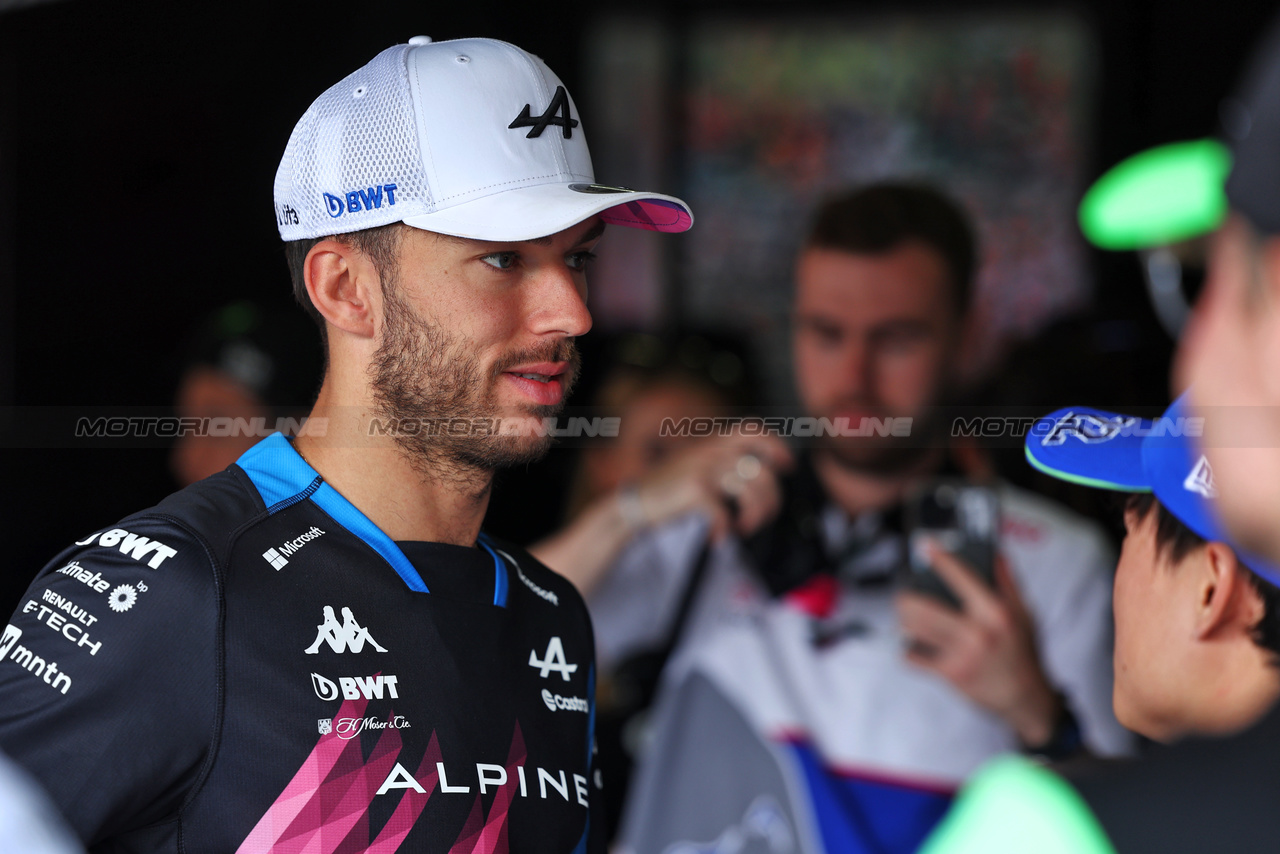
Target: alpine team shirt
column 253, row 666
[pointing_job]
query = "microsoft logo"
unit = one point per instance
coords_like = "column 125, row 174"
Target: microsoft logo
column 274, row 558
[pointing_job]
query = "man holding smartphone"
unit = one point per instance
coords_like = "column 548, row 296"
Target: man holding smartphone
column 808, row 702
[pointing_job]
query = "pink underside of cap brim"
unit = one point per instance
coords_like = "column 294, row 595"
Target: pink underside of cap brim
column 531, row 212
column 649, row 214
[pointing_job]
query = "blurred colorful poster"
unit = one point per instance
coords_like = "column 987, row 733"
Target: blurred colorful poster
column 760, row 117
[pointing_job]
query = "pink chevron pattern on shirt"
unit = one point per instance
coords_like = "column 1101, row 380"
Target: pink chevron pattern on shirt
column 489, row 836
column 325, row 807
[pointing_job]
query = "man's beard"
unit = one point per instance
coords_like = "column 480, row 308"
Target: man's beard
column 430, row 381
column 885, row 456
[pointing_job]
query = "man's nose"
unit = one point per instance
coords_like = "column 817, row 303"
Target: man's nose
column 559, row 304
column 855, row 366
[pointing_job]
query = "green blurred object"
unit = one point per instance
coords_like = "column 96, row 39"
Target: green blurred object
column 1013, row 806
column 1160, row 196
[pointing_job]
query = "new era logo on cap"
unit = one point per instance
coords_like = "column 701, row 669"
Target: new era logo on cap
column 1200, row 480
column 443, row 136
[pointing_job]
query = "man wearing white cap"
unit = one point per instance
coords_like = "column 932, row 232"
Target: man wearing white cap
column 317, row 649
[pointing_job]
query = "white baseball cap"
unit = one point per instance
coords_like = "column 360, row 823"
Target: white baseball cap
column 471, row 137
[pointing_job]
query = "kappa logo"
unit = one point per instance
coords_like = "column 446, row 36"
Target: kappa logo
column 1088, row 428
column 557, row 113
column 347, row 636
column 358, row 200
column 553, row 660
column 1200, row 480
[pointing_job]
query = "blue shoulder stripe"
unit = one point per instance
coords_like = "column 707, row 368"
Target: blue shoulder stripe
column 283, row 478
column 499, row 573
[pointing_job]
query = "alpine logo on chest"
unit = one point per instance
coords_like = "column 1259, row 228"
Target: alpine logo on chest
column 553, row 660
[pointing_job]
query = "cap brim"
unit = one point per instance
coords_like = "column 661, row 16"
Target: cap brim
column 1090, row 447
column 1125, row 453
column 527, row 213
column 1160, row 196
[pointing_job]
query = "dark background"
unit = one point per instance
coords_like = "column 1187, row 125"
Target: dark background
column 139, row 140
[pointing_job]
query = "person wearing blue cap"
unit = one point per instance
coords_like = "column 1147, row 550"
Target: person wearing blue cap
column 1222, row 487
column 1197, row 653
column 1197, row 619
column 1164, row 202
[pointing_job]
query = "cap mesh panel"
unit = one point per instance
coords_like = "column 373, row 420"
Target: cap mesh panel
column 346, row 144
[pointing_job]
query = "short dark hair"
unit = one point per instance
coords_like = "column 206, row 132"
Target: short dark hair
column 381, row 244
column 878, row 218
column 1176, row 540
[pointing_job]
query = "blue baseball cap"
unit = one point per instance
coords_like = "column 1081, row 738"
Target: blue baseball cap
column 1126, row 453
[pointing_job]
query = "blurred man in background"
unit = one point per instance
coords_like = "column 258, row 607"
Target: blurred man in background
column 809, row 705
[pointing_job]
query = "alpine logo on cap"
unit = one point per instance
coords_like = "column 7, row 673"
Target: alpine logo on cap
column 1200, row 480
column 1090, row 429
column 557, row 113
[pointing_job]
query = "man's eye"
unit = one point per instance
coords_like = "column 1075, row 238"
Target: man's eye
column 579, row 260
column 501, row 260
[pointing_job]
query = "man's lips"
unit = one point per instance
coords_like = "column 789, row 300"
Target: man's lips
column 544, row 382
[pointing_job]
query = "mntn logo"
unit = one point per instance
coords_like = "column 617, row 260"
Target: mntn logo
column 11, row 635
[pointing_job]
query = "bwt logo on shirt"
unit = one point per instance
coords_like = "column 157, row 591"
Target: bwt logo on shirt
column 135, row 546
column 355, row 687
column 358, row 200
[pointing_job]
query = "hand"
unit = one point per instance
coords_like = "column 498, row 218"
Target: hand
column 733, row 480
column 987, row 650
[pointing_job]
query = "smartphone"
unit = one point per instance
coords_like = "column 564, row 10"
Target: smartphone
column 959, row 517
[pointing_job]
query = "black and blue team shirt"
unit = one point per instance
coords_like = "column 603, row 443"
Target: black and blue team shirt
column 253, row 666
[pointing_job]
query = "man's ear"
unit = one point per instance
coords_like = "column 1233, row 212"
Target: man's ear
column 1224, row 601
column 343, row 284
